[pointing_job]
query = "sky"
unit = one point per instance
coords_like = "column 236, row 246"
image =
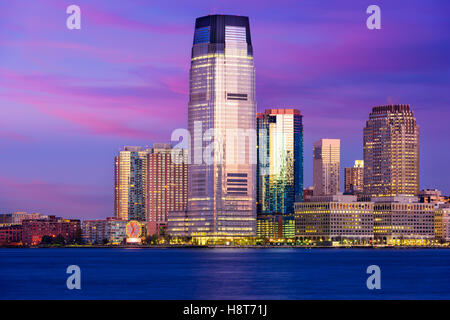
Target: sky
column 70, row 99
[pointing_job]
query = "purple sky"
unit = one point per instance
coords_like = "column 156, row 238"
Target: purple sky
column 69, row 99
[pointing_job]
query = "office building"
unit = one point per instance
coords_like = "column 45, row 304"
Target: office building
column 326, row 166
column 280, row 161
column 275, row 226
column 354, row 178
column 222, row 110
column 334, row 218
column 402, row 220
column 391, row 152
column 442, row 223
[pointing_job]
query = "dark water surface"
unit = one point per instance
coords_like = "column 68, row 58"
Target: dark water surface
column 224, row 273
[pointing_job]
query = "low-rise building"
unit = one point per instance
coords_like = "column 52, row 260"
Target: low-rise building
column 402, row 220
column 442, row 223
column 34, row 230
column 111, row 230
column 10, row 234
column 275, row 226
column 335, row 218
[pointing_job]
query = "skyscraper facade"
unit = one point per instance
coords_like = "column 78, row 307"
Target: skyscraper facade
column 130, row 184
column 391, row 152
column 354, row 178
column 167, row 186
column 326, row 166
column 222, row 108
column 280, row 161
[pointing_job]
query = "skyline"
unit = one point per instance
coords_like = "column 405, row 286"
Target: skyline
column 314, row 71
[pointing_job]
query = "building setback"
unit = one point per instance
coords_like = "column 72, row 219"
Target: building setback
column 391, row 152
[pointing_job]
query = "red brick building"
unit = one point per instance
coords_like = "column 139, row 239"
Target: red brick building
column 34, row 230
column 10, row 234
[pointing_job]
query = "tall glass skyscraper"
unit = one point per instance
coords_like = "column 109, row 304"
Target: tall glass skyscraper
column 391, row 152
column 280, row 161
column 221, row 121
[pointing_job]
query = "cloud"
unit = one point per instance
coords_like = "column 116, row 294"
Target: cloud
column 61, row 199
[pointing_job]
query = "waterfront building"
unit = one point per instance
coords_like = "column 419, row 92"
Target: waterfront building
column 442, row 222
column 222, row 107
column 391, row 152
column 177, row 223
column 326, row 166
column 110, row 230
column 402, row 220
column 34, row 230
column 167, row 185
column 275, row 226
column 10, row 234
column 280, row 161
column 334, row 218
column 354, row 178
column 130, row 189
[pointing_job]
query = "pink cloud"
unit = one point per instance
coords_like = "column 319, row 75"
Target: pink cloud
column 62, row 199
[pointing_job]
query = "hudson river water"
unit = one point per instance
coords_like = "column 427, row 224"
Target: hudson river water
column 224, row 273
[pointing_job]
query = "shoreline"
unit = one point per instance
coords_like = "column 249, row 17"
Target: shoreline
column 220, row 247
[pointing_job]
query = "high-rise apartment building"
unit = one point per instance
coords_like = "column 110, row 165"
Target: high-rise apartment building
column 326, row 166
column 354, row 178
column 391, row 152
column 222, row 108
column 130, row 193
column 150, row 182
column 167, row 185
column 280, row 161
